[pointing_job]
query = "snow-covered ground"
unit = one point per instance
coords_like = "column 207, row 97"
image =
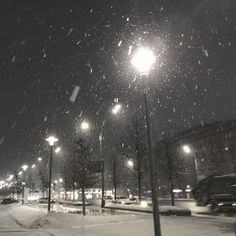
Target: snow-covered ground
column 40, row 223
column 165, row 210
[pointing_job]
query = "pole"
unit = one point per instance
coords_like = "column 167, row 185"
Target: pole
column 114, row 176
column 50, row 179
column 23, row 189
column 156, row 218
column 196, row 166
column 102, row 160
column 170, row 170
column 83, row 177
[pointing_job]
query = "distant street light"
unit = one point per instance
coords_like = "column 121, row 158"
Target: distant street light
column 33, row 166
column 186, row 149
column 143, row 60
column 61, row 180
column 85, row 126
column 39, row 159
column 24, row 167
column 130, row 163
column 116, row 109
column 51, row 140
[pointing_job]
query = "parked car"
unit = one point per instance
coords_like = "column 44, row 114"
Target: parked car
column 108, row 197
column 8, row 201
column 45, row 200
column 216, row 191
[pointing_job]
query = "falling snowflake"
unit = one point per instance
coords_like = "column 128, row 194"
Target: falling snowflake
column 205, row 52
column 69, row 32
column 74, row 94
column 130, row 49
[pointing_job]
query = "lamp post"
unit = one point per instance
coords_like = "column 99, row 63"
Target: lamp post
column 143, row 61
column 51, row 140
column 188, row 150
column 24, row 167
column 115, row 111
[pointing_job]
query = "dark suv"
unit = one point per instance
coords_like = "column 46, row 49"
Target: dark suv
column 216, row 191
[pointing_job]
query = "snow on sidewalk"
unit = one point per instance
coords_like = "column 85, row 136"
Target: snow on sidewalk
column 24, row 215
column 117, row 225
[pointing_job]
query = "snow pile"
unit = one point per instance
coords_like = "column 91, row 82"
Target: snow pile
column 123, row 224
column 23, row 215
column 164, row 210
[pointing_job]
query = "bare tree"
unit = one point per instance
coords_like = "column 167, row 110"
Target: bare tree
column 77, row 171
column 17, row 187
column 135, row 147
column 168, row 166
column 43, row 177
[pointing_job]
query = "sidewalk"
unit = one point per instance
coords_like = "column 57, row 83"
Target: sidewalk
column 115, row 225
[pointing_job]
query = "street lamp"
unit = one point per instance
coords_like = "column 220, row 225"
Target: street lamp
column 51, row 140
column 84, row 126
column 143, row 60
column 130, row 163
column 115, row 111
column 24, row 167
column 188, row 150
column 39, row 159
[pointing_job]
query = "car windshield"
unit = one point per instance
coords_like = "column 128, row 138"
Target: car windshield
column 117, row 116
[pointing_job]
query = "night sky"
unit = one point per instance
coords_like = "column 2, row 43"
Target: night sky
column 49, row 47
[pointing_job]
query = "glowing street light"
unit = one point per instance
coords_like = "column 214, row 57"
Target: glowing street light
column 143, row 61
column 61, row 180
column 130, row 163
column 24, row 167
column 33, row 166
column 51, row 140
column 186, row 149
column 116, row 109
column 84, row 126
column 39, row 159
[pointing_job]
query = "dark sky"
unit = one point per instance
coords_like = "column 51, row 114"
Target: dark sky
column 48, row 48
